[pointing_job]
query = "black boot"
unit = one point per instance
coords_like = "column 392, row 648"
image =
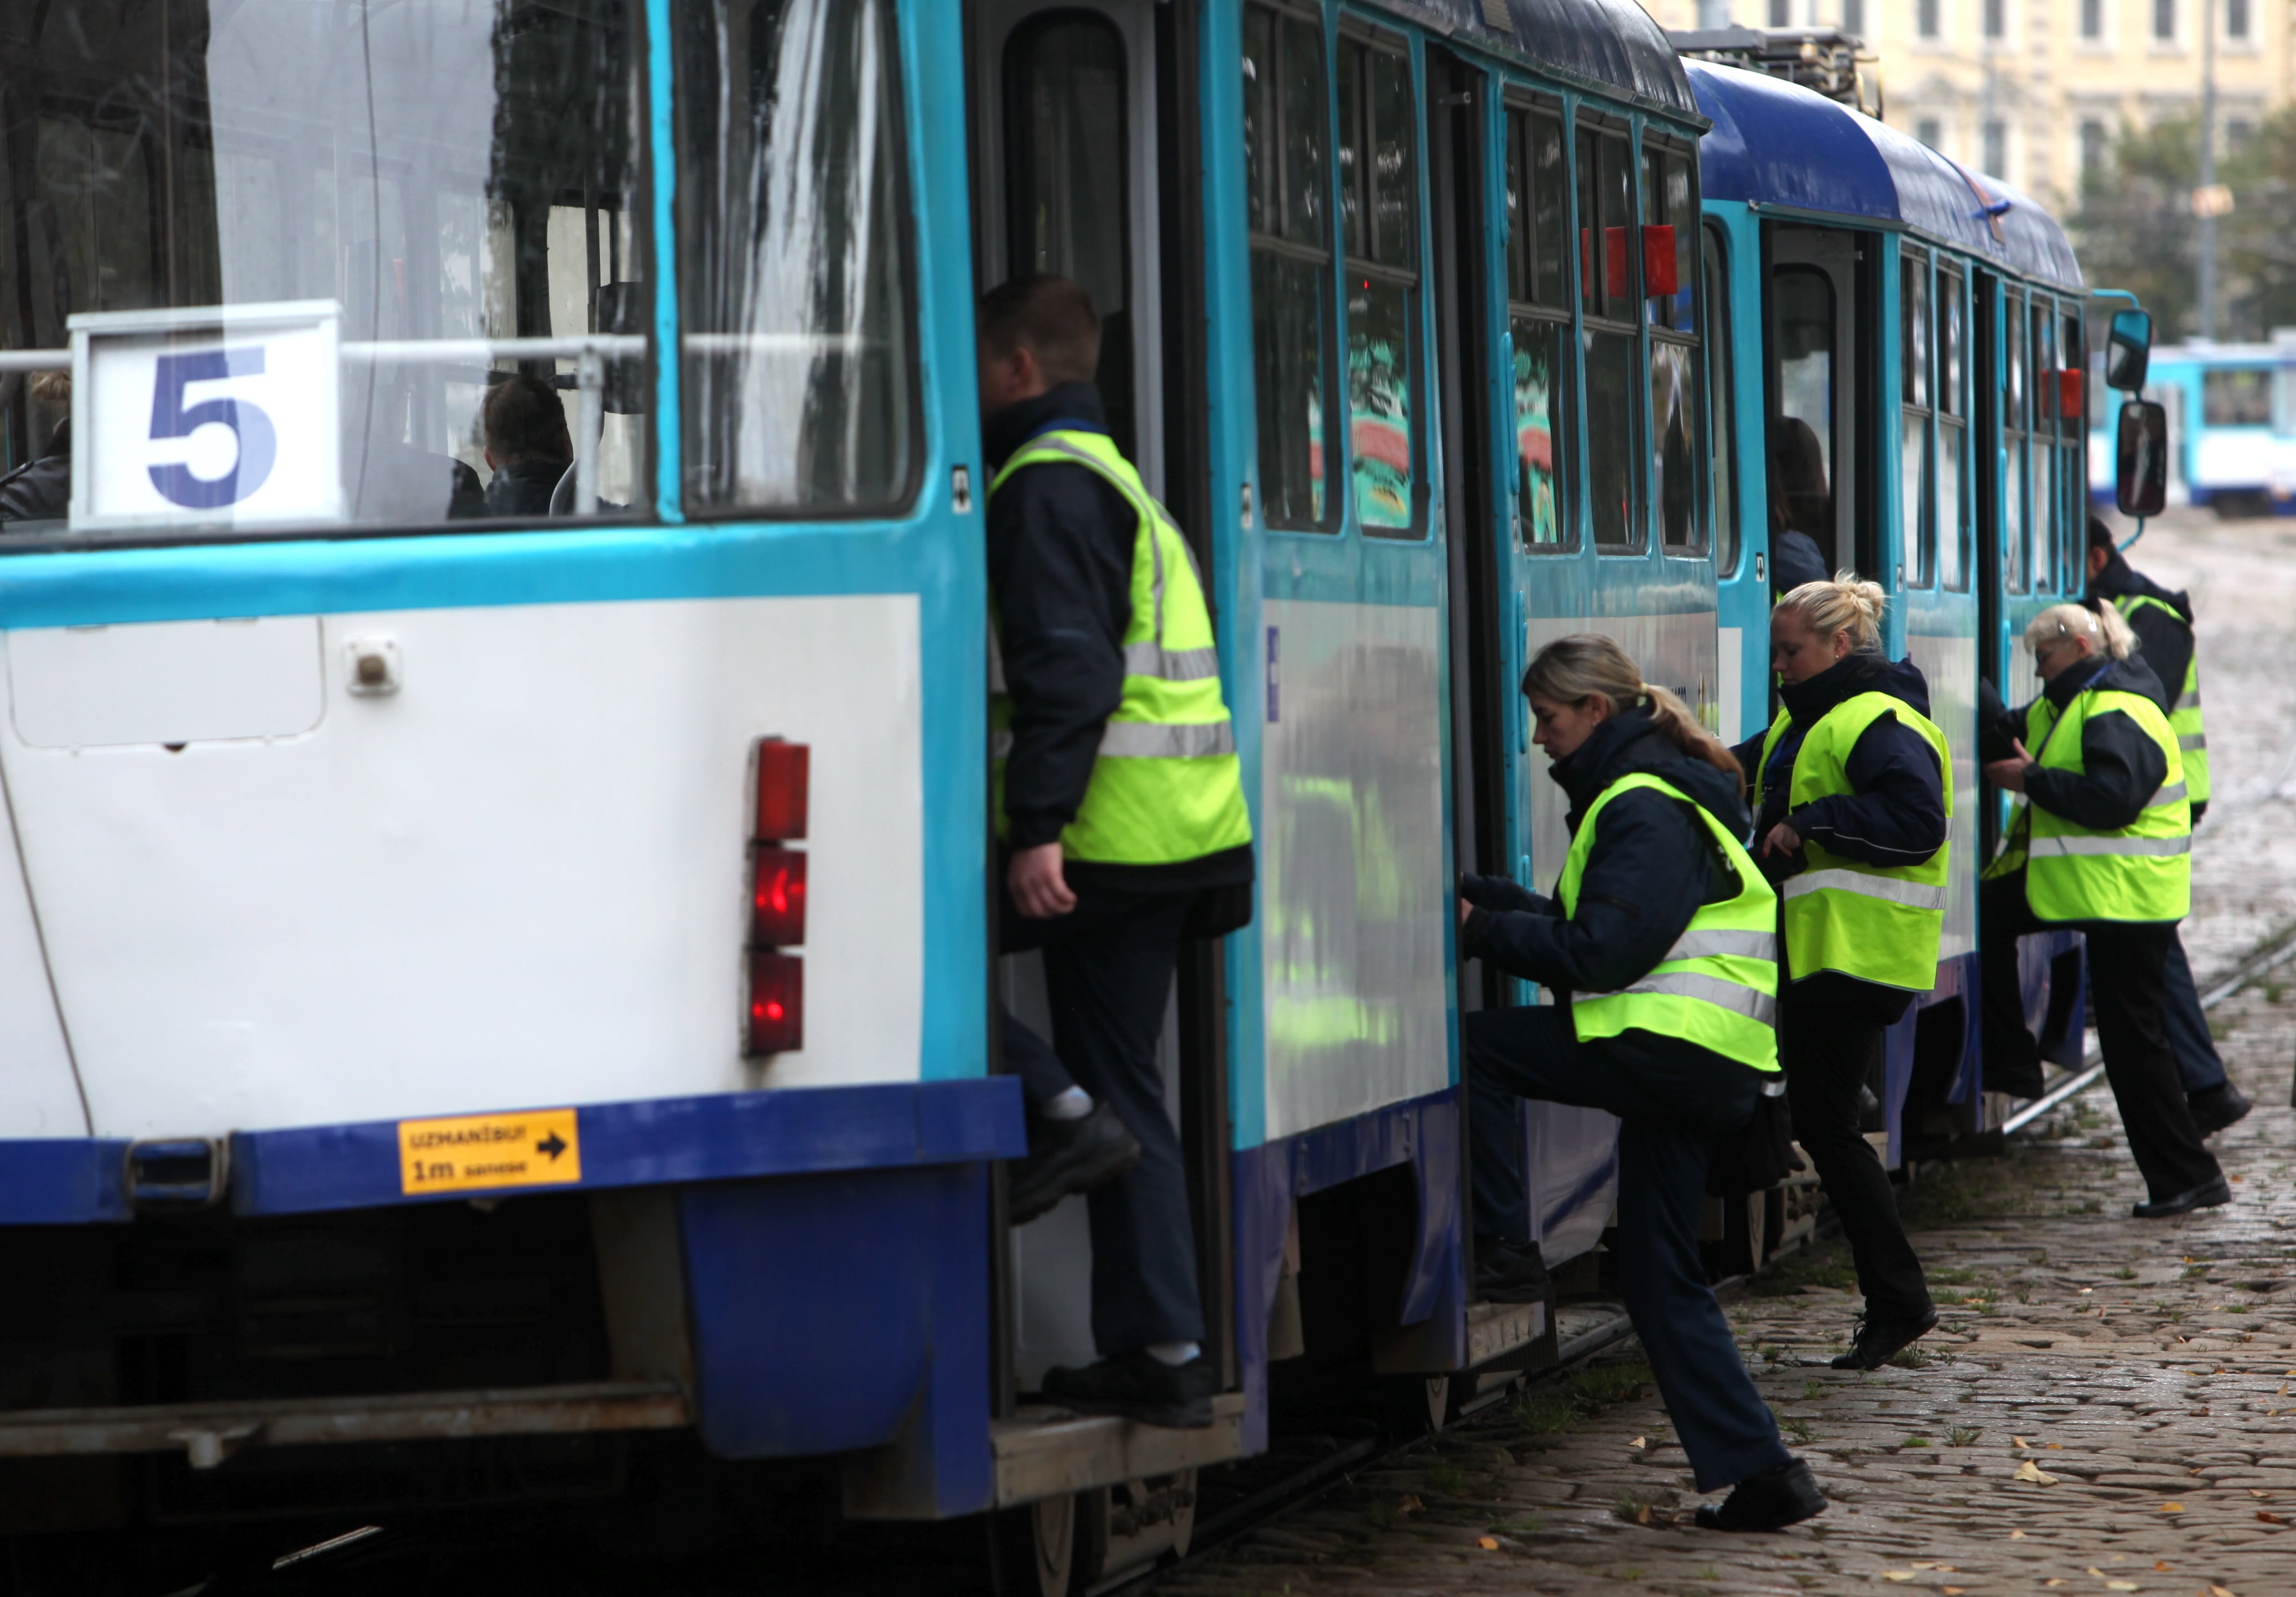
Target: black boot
column 1069, row 1156
column 1510, row 1271
column 1139, row 1386
column 1878, row 1338
column 1770, row 1500
column 2217, row 1107
column 2018, row 1074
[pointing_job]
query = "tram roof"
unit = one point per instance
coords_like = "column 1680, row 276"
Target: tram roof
column 1774, row 143
column 1610, row 45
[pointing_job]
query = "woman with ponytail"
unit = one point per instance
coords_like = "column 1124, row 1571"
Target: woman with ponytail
column 1658, row 949
column 1851, row 802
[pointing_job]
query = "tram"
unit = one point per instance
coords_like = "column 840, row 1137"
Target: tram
column 2233, row 413
column 495, row 990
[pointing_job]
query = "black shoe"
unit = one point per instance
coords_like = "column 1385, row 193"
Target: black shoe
column 2217, row 1107
column 1069, row 1156
column 1770, row 1500
column 1139, row 1386
column 1876, row 1339
column 2218, row 1190
column 1510, row 1271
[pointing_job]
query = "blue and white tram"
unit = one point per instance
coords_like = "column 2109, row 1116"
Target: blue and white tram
column 492, row 946
column 1924, row 325
column 2232, row 414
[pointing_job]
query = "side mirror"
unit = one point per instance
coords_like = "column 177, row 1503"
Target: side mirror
column 2127, row 350
column 2141, row 486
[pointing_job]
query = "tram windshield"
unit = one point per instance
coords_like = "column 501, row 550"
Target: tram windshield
column 452, row 183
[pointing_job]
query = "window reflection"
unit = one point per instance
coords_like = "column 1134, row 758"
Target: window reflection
column 1542, row 433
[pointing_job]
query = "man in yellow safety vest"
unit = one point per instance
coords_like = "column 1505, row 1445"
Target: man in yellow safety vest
column 1120, row 815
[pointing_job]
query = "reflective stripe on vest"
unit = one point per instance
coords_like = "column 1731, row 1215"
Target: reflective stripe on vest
column 2139, row 872
column 1877, row 923
column 1717, row 986
column 1165, row 786
column 2184, row 709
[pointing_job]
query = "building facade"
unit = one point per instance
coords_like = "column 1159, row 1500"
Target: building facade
column 2035, row 91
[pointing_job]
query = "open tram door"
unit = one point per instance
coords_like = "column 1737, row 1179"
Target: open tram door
column 1080, row 116
column 1820, row 303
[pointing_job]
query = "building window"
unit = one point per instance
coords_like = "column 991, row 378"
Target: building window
column 1781, row 13
column 2236, row 16
column 2164, row 22
column 1926, row 18
column 1930, row 132
column 1853, row 17
column 1997, row 19
column 2238, row 132
column 2092, row 20
column 2092, row 146
column 1994, row 157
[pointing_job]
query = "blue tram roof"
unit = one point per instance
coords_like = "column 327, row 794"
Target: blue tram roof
column 1774, row 143
column 1608, row 45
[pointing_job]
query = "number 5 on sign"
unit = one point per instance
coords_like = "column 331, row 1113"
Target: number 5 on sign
column 216, row 416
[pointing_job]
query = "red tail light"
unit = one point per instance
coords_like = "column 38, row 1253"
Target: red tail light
column 777, row 917
column 783, row 773
column 776, row 1002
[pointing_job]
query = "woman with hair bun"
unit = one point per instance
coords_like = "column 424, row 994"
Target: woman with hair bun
column 2101, row 843
column 1658, row 946
column 1851, row 801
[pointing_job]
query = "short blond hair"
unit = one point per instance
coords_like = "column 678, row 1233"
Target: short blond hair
column 1843, row 604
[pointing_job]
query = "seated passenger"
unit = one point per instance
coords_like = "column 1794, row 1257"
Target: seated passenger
column 528, row 447
column 1801, row 506
column 40, row 490
column 1659, row 949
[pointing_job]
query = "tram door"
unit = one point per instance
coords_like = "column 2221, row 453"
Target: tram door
column 1819, row 354
column 1064, row 128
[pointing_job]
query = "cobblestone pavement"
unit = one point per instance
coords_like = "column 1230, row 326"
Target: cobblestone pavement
column 2110, row 1405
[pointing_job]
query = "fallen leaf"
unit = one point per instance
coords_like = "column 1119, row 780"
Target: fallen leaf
column 2120, row 1585
column 2160, row 1563
column 2053, row 1582
column 1641, row 1514
column 2253, row 1492
column 2269, row 1518
column 2092, row 1569
column 2016, row 1535
column 2060, row 1446
column 1955, row 1591
column 1410, row 1504
column 1487, row 1543
column 2019, row 1441
column 2218, row 1592
column 2029, row 1471
column 1896, row 1575
column 2172, row 1508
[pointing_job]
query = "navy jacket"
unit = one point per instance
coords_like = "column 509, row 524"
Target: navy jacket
column 1894, row 814
column 1061, row 541
column 41, row 489
column 1652, row 864
column 2166, row 640
column 2121, row 768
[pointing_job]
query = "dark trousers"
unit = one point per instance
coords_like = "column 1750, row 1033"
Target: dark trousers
column 1107, row 977
column 1674, row 1101
column 2129, row 985
column 2199, row 1066
column 1828, row 1051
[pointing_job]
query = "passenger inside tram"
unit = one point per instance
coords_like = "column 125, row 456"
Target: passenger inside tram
column 1802, row 505
column 528, row 447
column 39, row 490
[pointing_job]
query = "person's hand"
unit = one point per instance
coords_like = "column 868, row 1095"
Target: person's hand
column 1465, row 909
column 1783, row 840
column 1040, row 888
column 2010, row 774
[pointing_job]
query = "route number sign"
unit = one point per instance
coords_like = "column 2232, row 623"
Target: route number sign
column 215, row 416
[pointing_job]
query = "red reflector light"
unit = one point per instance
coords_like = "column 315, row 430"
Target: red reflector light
column 777, row 917
column 783, row 770
column 776, row 1002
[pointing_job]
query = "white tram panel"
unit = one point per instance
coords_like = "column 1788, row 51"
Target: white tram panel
column 520, row 878
column 1950, row 666
column 1354, row 889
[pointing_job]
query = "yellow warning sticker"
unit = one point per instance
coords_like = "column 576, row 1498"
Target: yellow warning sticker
column 468, row 1153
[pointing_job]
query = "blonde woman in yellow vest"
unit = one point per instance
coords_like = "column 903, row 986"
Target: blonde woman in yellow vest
column 1851, row 804
column 2100, row 842
column 1121, row 820
column 1658, row 949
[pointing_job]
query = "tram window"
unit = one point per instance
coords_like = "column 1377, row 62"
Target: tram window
column 1916, row 481
column 1614, row 368
column 2015, row 555
column 2048, row 507
column 1378, row 206
column 1721, row 410
column 1545, row 382
column 1675, row 376
column 1066, row 180
column 1801, row 425
column 1667, row 202
column 2236, row 397
column 795, row 276
column 1291, row 303
column 439, row 176
column 1952, row 432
